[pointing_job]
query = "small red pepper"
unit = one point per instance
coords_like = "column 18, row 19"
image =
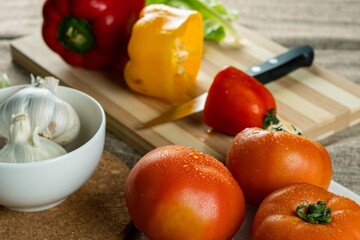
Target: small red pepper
column 90, row 33
column 237, row 101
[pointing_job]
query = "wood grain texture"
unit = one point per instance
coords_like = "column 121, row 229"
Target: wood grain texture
column 315, row 99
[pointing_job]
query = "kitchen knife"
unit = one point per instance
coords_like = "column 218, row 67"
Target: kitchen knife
column 268, row 71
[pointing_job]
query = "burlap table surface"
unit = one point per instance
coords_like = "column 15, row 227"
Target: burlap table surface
column 332, row 27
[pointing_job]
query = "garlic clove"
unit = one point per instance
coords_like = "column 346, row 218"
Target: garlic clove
column 25, row 145
column 20, row 129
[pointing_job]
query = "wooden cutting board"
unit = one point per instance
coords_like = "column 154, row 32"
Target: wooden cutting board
column 316, row 100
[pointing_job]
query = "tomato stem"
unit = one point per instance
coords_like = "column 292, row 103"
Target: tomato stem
column 270, row 119
column 282, row 129
column 314, row 213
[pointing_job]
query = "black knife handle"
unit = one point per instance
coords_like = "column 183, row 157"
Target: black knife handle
column 282, row 64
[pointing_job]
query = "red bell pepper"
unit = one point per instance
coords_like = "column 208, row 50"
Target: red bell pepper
column 237, row 101
column 90, row 33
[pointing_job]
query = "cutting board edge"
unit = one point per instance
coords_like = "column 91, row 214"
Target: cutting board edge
column 119, row 130
column 342, row 122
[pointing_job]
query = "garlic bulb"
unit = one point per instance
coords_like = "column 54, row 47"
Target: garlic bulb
column 26, row 146
column 55, row 118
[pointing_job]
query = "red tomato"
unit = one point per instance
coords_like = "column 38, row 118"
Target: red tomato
column 277, row 219
column 176, row 192
column 264, row 160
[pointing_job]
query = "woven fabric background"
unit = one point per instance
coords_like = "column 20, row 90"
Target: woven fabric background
column 332, row 27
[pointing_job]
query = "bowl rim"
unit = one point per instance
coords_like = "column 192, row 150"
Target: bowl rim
column 60, row 158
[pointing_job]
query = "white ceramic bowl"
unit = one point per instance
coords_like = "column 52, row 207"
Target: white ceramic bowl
column 41, row 185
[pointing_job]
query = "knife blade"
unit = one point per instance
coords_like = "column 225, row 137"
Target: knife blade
column 268, row 71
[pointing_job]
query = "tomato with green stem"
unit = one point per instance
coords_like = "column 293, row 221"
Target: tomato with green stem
column 265, row 160
column 304, row 211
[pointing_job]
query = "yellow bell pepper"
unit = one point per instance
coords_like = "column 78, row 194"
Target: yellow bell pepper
column 165, row 51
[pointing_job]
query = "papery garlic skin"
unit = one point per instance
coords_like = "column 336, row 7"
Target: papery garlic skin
column 25, row 145
column 55, row 118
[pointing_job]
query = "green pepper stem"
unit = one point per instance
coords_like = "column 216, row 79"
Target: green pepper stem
column 75, row 34
column 270, row 119
column 314, row 213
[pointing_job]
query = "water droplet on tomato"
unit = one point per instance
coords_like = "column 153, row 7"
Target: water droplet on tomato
column 194, row 155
